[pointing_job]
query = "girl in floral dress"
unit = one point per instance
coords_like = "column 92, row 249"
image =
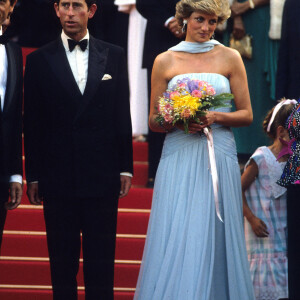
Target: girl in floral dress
column 265, row 208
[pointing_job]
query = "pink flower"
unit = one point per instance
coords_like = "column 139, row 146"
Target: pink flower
column 202, row 83
column 182, row 85
column 210, row 91
column 168, row 118
column 168, row 106
column 197, row 93
column 174, row 94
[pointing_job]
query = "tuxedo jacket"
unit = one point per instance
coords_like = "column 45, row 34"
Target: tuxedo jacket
column 11, row 116
column 77, row 145
column 288, row 75
column 158, row 38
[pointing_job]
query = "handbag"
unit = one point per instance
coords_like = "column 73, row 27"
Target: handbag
column 243, row 46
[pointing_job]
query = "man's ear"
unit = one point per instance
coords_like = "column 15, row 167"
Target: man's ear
column 56, row 9
column 92, row 10
column 11, row 9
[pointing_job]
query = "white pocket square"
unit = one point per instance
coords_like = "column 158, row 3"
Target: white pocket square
column 106, row 77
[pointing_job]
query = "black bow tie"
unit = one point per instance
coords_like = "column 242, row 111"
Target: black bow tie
column 3, row 39
column 82, row 44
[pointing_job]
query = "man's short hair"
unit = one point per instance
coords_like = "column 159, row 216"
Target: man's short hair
column 88, row 2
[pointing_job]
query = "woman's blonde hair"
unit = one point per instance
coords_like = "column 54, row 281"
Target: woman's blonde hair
column 220, row 8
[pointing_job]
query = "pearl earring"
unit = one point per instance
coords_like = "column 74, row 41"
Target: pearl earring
column 184, row 26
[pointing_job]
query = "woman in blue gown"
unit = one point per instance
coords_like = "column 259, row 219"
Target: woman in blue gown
column 190, row 253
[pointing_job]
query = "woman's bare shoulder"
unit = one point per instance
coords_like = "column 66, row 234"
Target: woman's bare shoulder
column 164, row 59
column 229, row 53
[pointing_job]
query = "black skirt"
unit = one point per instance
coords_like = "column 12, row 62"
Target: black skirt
column 293, row 223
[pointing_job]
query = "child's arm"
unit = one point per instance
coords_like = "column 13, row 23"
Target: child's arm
column 249, row 175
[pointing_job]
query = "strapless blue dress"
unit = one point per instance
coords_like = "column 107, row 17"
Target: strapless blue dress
column 189, row 253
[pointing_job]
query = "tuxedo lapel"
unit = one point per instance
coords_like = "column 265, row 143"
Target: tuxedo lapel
column 58, row 61
column 96, row 68
column 11, row 77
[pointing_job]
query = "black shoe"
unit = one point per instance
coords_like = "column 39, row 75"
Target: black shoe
column 150, row 183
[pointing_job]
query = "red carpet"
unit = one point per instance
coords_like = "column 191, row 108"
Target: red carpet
column 24, row 266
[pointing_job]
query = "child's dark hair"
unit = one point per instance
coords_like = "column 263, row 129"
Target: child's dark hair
column 279, row 120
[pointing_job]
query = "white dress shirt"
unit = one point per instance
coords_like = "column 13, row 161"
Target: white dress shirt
column 3, row 72
column 3, row 83
column 78, row 61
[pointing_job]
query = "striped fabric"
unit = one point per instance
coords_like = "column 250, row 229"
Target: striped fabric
column 268, row 256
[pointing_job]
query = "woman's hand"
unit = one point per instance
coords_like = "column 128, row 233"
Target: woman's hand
column 193, row 127
column 239, row 8
column 205, row 121
column 259, row 227
column 238, row 28
column 208, row 119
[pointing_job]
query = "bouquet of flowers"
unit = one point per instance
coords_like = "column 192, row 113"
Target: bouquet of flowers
column 188, row 100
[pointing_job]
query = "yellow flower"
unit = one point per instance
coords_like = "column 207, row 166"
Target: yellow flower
column 189, row 102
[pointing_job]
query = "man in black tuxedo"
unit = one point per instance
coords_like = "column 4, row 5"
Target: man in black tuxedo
column 288, row 85
column 11, row 72
column 162, row 32
column 78, row 149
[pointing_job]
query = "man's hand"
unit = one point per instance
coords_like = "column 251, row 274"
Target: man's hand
column 125, row 185
column 33, row 193
column 174, row 27
column 15, row 193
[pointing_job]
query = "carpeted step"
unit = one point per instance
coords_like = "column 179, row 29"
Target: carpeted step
column 38, row 273
column 36, row 294
column 140, row 151
column 140, row 177
column 36, row 246
column 138, row 198
column 33, row 220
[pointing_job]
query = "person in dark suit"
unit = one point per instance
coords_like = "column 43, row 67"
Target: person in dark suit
column 78, row 149
column 288, row 75
column 11, row 82
column 162, row 32
column 109, row 24
column 288, row 85
column 37, row 31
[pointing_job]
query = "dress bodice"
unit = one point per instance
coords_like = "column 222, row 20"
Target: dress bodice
column 223, row 137
column 219, row 82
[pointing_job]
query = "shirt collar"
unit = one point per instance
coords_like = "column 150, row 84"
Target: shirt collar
column 1, row 33
column 65, row 39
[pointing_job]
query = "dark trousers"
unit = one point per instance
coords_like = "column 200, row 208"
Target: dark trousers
column 155, row 142
column 293, row 222
column 96, row 219
column 3, row 198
